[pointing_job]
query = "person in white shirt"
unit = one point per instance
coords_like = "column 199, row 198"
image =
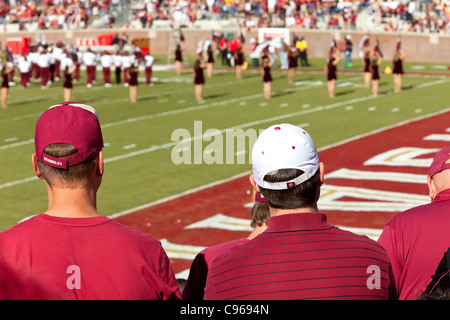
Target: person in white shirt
column 90, row 61
column 57, row 54
column 148, row 62
column 43, row 61
column 33, row 56
column 106, row 61
column 24, row 65
column 126, row 64
column 67, row 67
column 52, row 65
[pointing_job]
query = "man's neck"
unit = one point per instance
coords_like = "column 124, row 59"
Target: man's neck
column 279, row 212
column 72, row 203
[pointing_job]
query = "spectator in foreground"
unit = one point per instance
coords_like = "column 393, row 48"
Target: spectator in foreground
column 75, row 251
column 416, row 239
column 300, row 255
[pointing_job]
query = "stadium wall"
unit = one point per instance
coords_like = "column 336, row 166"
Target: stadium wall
column 418, row 47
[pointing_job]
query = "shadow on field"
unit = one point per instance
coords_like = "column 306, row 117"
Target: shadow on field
column 282, row 93
column 217, row 95
column 343, row 93
column 408, row 87
column 144, row 98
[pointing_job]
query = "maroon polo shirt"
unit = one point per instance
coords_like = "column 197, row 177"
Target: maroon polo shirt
column 301, row 256
column 415, row 241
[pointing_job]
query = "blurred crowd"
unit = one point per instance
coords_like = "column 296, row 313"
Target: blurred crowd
column 402, row 15
column 54, row 14
column 395, row 15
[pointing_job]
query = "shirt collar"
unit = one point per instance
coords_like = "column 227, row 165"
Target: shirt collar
column 298, row 222
column 442, row 196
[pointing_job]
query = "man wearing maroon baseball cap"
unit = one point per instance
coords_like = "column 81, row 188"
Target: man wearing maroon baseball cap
column 76, row 252
column 416, row 239
column 71, row 123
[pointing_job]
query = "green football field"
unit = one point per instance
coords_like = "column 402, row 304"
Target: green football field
column 140, row 143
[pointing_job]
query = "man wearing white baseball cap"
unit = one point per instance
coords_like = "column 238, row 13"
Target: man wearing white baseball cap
column 300, row 255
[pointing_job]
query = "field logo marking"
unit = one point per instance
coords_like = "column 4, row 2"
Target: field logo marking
column 404, row 157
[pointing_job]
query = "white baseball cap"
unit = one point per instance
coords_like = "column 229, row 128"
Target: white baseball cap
column 284, row 146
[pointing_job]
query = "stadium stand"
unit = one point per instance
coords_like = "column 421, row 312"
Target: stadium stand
column 415, row 16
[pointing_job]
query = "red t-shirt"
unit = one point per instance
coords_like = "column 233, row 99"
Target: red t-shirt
column 301, row 256
column 16, row 286
column 415, row 241
column 90, row 258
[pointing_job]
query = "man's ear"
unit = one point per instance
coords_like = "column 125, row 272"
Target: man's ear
column 321, row 173
column 34, row 162
column 101, row 164
column 255, row 186
column 431, row 188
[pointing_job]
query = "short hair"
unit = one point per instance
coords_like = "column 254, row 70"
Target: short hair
column 304, row 195
column 260, row 214
column 72, row 177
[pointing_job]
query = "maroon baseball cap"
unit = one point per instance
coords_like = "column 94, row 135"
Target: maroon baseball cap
column 439, row 160
column 72, row 123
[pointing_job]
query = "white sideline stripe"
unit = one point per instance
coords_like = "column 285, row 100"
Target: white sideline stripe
column 16, row 182
column 16, row 144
